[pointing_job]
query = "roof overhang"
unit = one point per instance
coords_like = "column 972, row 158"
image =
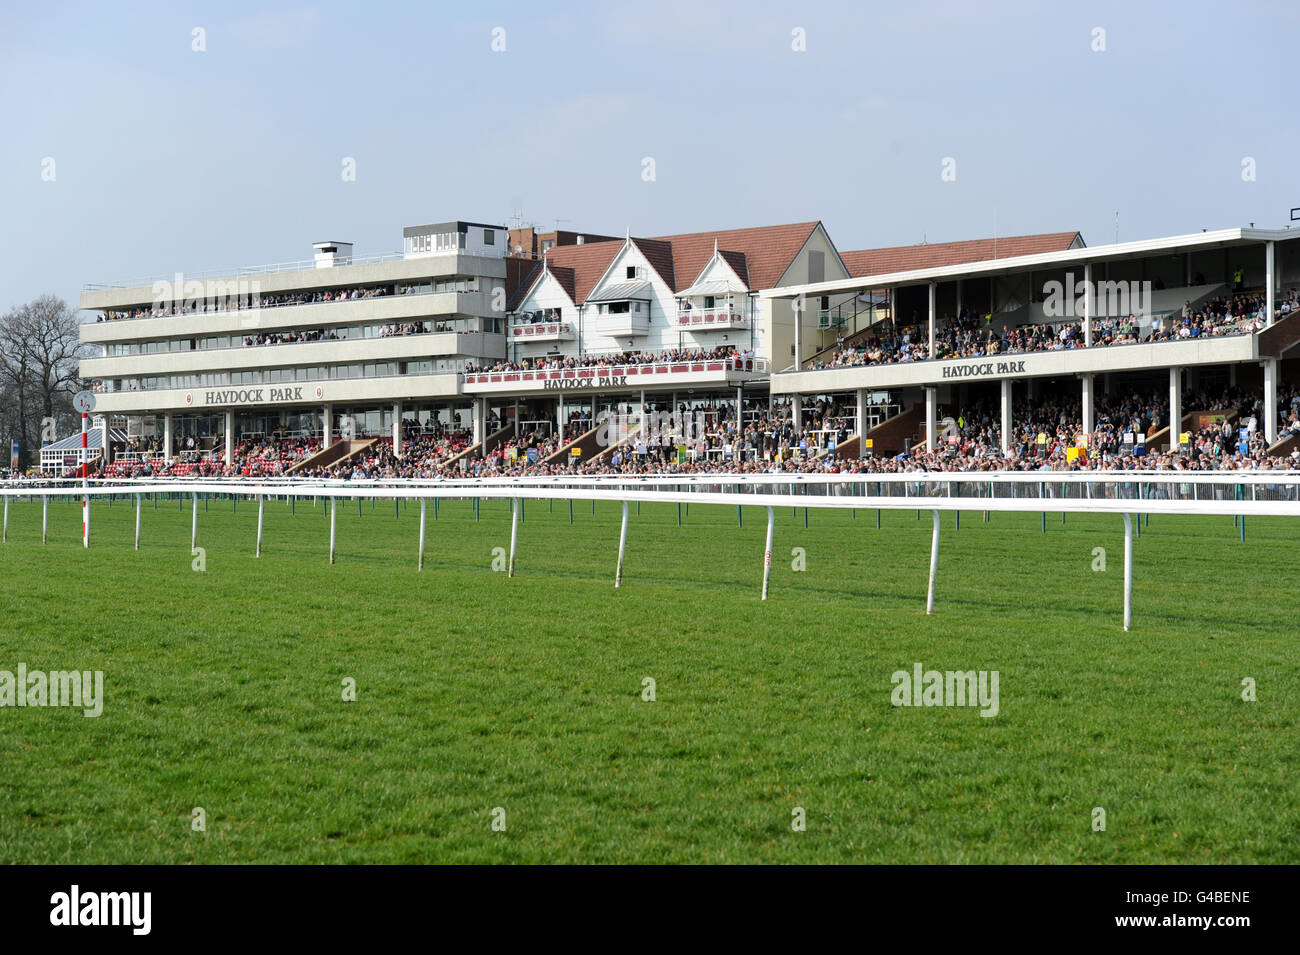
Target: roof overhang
column 624, row 292
column 1193, row 242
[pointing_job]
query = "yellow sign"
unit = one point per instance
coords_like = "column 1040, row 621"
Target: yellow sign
column 576, row 452
column 1072, row 454
column 1185, row 438
column 869, row 443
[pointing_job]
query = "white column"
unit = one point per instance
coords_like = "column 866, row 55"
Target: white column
column 959, row 298
column 230, row 436
column 1006, row 414
column 862, row 418
column 797, row 306
column 478, row 416
column 327, row 427
column 640, row 411
column 1270, row 398
column 1088, row 416
column 1175, row 406
column 1270, row 285
column 397, row 428
column 930, row 394
column 167, row 438
column 1087, row 308
column 796, row 411
column 932, row 287
column 559, row 418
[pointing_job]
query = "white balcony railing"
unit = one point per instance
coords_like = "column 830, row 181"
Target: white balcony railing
column 541, row 331
column 699, row 318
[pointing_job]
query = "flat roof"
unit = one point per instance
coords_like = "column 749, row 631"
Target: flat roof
column 1189, row 242
column 440, row 227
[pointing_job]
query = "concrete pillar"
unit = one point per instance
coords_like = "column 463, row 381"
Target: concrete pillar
column 796, row 411
column 1270, row 288
column 1087, row 310
column 167, row 438
column 327, row 427
column 480, row 421
column 397, row 428
column 1088, row 415
column 862, row 413
column 959, row 298
column 1270, row 396
column 1175, row 406
column 1006, row 414
column 559, row 418
column 930, row 395
column 798, row 306
column 230, row 437
column 932, row 288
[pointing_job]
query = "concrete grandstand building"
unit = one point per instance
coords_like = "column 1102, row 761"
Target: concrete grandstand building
column 490, row 340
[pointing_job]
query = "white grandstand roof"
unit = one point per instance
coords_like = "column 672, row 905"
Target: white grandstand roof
column 1123, row 250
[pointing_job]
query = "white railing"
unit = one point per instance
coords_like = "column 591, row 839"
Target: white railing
column 1123, row 495
column 618, row 369
column 299, row 265
column 720, row 316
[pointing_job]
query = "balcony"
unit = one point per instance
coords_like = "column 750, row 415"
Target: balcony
column 723, row 316
column 622, row 324
column 525, row 332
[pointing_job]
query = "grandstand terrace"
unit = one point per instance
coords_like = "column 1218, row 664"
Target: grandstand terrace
column 736, row 350
column 1194, row 312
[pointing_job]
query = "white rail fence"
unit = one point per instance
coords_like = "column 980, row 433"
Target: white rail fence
column 1240, row 494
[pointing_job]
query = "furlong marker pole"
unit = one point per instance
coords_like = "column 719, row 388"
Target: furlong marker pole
column 622, row 544
column 85, row 467
column 138, row 508
column 767, row 552
column 934, row 564
column 194, row 523
column 45, row 518
column 420, row 565
column 6, row 531
column 261, row 501
column 514, row 533
column 334, row 510
column 1128, row 571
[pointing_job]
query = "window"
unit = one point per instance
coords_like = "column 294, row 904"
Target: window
column 631, row 271
column 816, row 267
column 489, row 237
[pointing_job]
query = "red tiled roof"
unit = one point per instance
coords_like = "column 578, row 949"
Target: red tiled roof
column 588, row 263
column 737, row 262
column 760, row 256
column 905, row 258
column 768, row 251
column 660, row 256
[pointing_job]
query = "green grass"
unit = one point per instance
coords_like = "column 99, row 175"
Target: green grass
column 224, row 689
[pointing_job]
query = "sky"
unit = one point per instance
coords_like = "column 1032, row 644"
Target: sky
column 127, row 153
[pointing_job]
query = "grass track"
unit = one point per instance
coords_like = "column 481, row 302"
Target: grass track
column 475, row 691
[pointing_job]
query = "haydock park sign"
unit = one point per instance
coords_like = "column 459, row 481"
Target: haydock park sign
column 982, row 369
column 255, row 396
column 567, row 384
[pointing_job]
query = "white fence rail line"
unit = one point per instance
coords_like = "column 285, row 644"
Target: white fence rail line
column 1070, row 492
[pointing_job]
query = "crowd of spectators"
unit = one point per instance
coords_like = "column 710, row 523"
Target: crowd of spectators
column 243, row 302
column 969, row 336
column 555, row 362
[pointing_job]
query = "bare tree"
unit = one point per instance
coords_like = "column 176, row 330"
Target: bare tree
column 40, row 345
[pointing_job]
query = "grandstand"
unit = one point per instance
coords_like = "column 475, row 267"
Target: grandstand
column 740, row 350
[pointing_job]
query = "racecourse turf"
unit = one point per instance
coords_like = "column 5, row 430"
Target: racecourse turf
column 476, row 693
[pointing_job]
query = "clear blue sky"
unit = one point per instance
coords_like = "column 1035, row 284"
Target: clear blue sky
column 168, row 159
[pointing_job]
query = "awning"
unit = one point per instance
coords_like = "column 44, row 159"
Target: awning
column 93, row 440
column 624, row 292
column 713, row 287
